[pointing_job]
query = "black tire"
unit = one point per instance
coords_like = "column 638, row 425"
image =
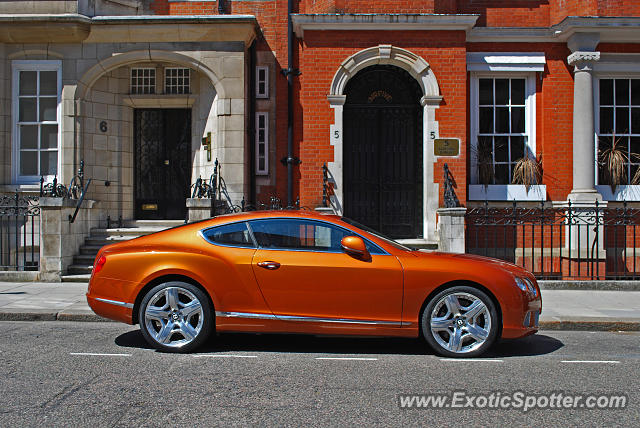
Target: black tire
column 170, row 319
column 460, row 333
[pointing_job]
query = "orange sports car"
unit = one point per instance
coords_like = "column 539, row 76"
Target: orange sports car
column 301, row 272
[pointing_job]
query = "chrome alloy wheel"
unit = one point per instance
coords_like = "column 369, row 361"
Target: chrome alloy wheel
column 460, row 322
column 174, row 317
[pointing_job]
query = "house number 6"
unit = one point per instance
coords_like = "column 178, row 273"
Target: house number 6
column 103, row 126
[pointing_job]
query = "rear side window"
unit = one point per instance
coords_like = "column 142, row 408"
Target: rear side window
column 233, row 235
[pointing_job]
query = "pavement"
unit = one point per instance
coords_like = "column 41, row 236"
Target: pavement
column 562, row 309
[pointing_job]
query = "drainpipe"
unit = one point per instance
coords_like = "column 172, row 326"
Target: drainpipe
column 290, row 160
column 252, row 123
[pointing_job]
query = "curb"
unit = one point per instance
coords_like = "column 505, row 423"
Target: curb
column 590, row 285
column 51, row 316
column 591, row 324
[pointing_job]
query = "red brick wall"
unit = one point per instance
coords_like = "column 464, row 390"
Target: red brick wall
column 322, row 53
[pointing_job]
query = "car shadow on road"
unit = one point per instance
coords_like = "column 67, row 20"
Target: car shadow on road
column 538, row 344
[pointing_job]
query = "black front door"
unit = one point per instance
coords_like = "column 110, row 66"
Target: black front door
column 162, row 142
column 383, row 151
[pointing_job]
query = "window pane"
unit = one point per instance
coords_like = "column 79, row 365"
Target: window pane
column 28, row 136
column 28, row 163
column 517, row 119
column 502, row 120
column 622, row 92
column 501, row 149
column 486, row 120
column 606, row 120
column 27, row 110
column 502, row 174
column 622, row 120
column 48, row 163
column 517, row 148
column 635, row 149
column 48, row 83
column 517, row 91
column 235, row 234
column 502, row 91
column 49, row 137
column 606, row 92
column 298, row 234
column 635, row 92
column 635, row 120
column 28, row 82
column 48, row 108
column 486, row 91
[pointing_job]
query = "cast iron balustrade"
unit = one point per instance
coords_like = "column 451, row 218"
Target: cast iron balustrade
column 569, row 242
column 19, row 232
column 76, row 190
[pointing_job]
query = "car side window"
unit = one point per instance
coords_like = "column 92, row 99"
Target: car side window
column 233, row 235
column 294, row 234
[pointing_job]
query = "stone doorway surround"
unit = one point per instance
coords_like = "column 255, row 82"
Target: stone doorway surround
column 430, row 101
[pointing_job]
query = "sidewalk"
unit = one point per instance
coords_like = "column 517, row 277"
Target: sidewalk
column 561, row 309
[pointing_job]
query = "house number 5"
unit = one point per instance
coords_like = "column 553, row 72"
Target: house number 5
column 336, row 134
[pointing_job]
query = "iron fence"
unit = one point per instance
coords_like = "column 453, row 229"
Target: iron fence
column 19, row 232
column 568, row 242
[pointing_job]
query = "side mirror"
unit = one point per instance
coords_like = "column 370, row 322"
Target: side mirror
column 355, row 246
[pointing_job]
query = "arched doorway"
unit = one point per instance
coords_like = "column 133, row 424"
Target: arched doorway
column 383, row 174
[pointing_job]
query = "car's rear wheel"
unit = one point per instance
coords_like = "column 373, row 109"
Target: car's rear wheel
column 460, row 321
column 175, row 317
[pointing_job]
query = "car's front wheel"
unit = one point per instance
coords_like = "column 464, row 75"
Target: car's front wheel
column 175, row 317
column 460, row 321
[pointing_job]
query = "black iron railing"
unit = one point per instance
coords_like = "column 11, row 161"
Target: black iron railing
column 77, row 189
column 19, row 232
column 568, row 242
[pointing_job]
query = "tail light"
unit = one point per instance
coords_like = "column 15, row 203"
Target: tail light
column 97, row 267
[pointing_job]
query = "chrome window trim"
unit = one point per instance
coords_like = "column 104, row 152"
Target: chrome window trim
column 251, row 315
column 115, row 302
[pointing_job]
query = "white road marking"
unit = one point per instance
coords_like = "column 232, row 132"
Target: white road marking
column 95, row 354
column 226, row 356
column 347, row 358
column 592, row 361
column 475, row 360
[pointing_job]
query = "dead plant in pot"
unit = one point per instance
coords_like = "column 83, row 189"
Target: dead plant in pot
column 613, row 158
column 527, row 171
column 484, row 158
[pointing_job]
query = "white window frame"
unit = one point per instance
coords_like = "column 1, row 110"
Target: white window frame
column 166, row 79
column 612, row 71
column 33, row 65
column 498, row 192
column 265, row 93
column 155, row 80
column 258, row 143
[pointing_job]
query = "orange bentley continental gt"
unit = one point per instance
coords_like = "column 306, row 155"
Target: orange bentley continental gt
column 301, row 272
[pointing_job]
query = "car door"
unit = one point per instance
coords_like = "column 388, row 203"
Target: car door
column 303, row 272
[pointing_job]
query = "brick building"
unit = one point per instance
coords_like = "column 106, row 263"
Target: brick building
column 387, row 93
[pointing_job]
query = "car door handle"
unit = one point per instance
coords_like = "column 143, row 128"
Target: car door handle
column 269, row 265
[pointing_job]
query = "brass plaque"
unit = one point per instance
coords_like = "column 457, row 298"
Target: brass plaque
column 150, row 207
column 446, row 146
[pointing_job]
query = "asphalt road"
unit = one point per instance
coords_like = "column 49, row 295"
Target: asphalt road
column 103, row 374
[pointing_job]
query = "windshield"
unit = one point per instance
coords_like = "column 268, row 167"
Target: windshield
column 377, row 234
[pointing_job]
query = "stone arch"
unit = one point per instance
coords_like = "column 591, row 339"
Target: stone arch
column 386, row 54
column 94, row 73
column 417, row 67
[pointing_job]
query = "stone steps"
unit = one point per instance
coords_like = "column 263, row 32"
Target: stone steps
column 80, row 269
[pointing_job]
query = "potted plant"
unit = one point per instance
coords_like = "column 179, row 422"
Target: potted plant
column 527, row 171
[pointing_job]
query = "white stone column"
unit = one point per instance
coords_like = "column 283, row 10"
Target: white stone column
column 451, row 229
column 584, row 55
column 336, row 102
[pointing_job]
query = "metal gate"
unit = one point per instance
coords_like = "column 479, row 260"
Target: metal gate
column 19, row 232
column 162, row 163
column 383, row 151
